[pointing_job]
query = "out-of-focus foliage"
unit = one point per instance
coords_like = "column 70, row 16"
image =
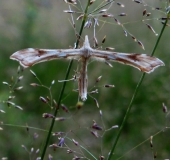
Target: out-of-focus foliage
column 43, row 24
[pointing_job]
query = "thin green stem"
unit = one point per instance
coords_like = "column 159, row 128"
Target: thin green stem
column 84, row 149
column 134, row 94
column 64, row 84
column 97, row 9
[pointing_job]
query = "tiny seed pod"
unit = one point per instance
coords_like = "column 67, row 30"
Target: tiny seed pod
column 52, row 82
column 122, row 14
column 117, row 21
column 11, row 97
column 151, row 143
column 141, row 45
column 164, row 107
column 71, row 1
column 108, row 63
column 125, row 33
column 75, row 142
column 36, row 135
column 95, row 133
column 133, row 37
column 120, row 4
column 100, row 112
column 2, row 111
column 34, row 84
column 115, row 126
column 43, row 100
column 164, row 18
column 61, row 142
column 151, row 28
column 55, row 103
column 144, row 12
column 157, row 8
column 18, row 88
column 54, row 146
column 77, row 158
column 94, row 92
column 32, row 149
column 64, row 107
column 137, row 1
column 23, row 146
column 92, row 1
column 97, row 104
column 148, row 14
column 96, row 126
column 47, row 115
column 58, row 133
column 103, row 10
column 69, row 151
column 18, row 107
column 89, row 23
column 68, row 11
column 109, row 48
column 101, row 157
column 60, row 119
column 37, row 151
column 80, row 17
column 108, row 15
column 109, row 86
column 50, row 157
column 6, row 83
column 20, row 78
column 98, row 79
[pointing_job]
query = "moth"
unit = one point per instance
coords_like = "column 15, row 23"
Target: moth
column 30, row 56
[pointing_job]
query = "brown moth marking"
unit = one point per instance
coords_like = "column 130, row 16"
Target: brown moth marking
column 29, row 57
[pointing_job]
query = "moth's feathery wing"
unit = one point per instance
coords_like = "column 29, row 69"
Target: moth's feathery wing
column 31, row 56
column 142, row 62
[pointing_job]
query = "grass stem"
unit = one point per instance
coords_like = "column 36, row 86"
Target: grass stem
column 134, row 94
column 64, row 84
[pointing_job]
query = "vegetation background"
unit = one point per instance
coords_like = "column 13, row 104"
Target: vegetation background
column 43, row 24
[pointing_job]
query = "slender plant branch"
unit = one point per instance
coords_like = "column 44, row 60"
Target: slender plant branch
column 101, row 7
column 64, row 84
column 135, row 93
column 137, row 146
column 85, row 149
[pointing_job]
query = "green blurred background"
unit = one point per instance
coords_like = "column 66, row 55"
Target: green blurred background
column 43, row 24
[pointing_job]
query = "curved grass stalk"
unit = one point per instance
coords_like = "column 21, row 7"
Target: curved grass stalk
column 64, row 84
column 85, row 149
column 135, row 92
column 148, row 139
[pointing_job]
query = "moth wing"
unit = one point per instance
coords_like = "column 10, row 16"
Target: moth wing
column 30, row 56
column 142, row 62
